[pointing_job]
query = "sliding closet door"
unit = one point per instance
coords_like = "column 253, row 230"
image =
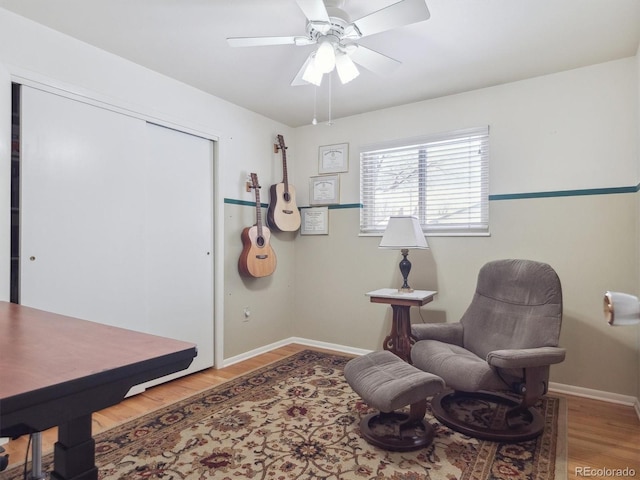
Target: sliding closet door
column 82, row 210
column 116, row 220
column 179, row 246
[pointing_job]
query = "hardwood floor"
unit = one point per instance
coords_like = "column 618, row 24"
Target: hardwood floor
column 601, row 435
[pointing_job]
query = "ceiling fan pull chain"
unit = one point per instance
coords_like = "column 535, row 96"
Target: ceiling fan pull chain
column 330, row 122
column 315, row 103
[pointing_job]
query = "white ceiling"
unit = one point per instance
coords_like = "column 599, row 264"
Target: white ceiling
column 465, row 45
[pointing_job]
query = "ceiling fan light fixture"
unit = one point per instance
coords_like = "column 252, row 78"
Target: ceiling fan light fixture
column 325, row 58
column 347, row 70
column 312, row 74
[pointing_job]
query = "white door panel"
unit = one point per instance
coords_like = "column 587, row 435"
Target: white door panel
column 82, row 210
column 116, row 220
column 179, row 234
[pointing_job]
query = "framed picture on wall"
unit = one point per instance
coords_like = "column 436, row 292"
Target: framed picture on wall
column 324, row 190
column 333, row 158
column 315, row 221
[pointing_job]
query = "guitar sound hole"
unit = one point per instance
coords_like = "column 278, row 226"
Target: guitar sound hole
column 260, row 241
column 287, row 197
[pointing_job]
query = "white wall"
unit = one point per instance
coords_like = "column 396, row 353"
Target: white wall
column 568, row 131
column 571, row 130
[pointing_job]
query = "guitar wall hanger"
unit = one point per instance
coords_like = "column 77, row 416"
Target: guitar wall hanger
column 250, row 186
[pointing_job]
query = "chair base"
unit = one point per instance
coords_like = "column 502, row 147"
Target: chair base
column 518, row 425
column 394, row 431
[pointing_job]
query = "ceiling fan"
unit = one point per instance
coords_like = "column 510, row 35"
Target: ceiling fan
column 330, row 27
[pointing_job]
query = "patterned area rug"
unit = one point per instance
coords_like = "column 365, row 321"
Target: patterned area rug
column 298, row 419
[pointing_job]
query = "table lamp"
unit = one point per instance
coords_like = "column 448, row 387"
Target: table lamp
column 403, row 233
column 621, row 309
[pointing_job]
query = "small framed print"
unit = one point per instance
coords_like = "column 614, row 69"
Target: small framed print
column 333, row 158
column 315, row 221
column 324, row 190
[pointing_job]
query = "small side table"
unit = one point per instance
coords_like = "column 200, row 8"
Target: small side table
column 400, row 340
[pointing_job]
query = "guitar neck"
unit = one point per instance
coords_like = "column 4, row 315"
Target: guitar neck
column 258, row 211
column 285, row 178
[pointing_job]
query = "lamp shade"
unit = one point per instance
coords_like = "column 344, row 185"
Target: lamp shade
column 325, row 59
column 403, row 232
column 347, row 70
column 621, row 309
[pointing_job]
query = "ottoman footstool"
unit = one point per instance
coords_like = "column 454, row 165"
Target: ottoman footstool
column 387, row 383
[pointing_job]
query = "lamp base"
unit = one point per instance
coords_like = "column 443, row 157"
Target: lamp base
column 405, row 290
column 405, row 268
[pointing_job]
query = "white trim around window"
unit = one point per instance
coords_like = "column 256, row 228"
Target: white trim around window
column 442, row 179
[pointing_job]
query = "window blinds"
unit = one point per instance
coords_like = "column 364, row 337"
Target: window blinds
column 443, row 180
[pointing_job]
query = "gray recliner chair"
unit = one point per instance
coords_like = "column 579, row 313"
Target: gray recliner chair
column 505, row 341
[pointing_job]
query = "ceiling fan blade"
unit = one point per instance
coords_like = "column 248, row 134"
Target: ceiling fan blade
column 314, row 10
column 405, row 12
column 372, row 60
column 265, row 41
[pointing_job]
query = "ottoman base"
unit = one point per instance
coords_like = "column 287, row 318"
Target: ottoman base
column 397, row 431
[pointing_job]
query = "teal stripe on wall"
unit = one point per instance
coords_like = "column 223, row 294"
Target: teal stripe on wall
column 566, row 193
column 497, row 197
column 345, row 205
column 246, row 203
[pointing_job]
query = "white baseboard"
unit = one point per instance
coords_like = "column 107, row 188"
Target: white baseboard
column 553, row 387
column 617, row 398
column 594, row 394
column 288, row 341
column 255, row 352
column 329, row 346
column 597, row 395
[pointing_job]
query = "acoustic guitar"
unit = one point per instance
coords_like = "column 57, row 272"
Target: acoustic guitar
column 283, row 214
column 257, row 258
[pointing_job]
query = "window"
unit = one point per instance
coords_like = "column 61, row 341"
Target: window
column 443, row 180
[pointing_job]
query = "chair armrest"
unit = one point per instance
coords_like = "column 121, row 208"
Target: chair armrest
column 526, row 357
column 442, row 332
